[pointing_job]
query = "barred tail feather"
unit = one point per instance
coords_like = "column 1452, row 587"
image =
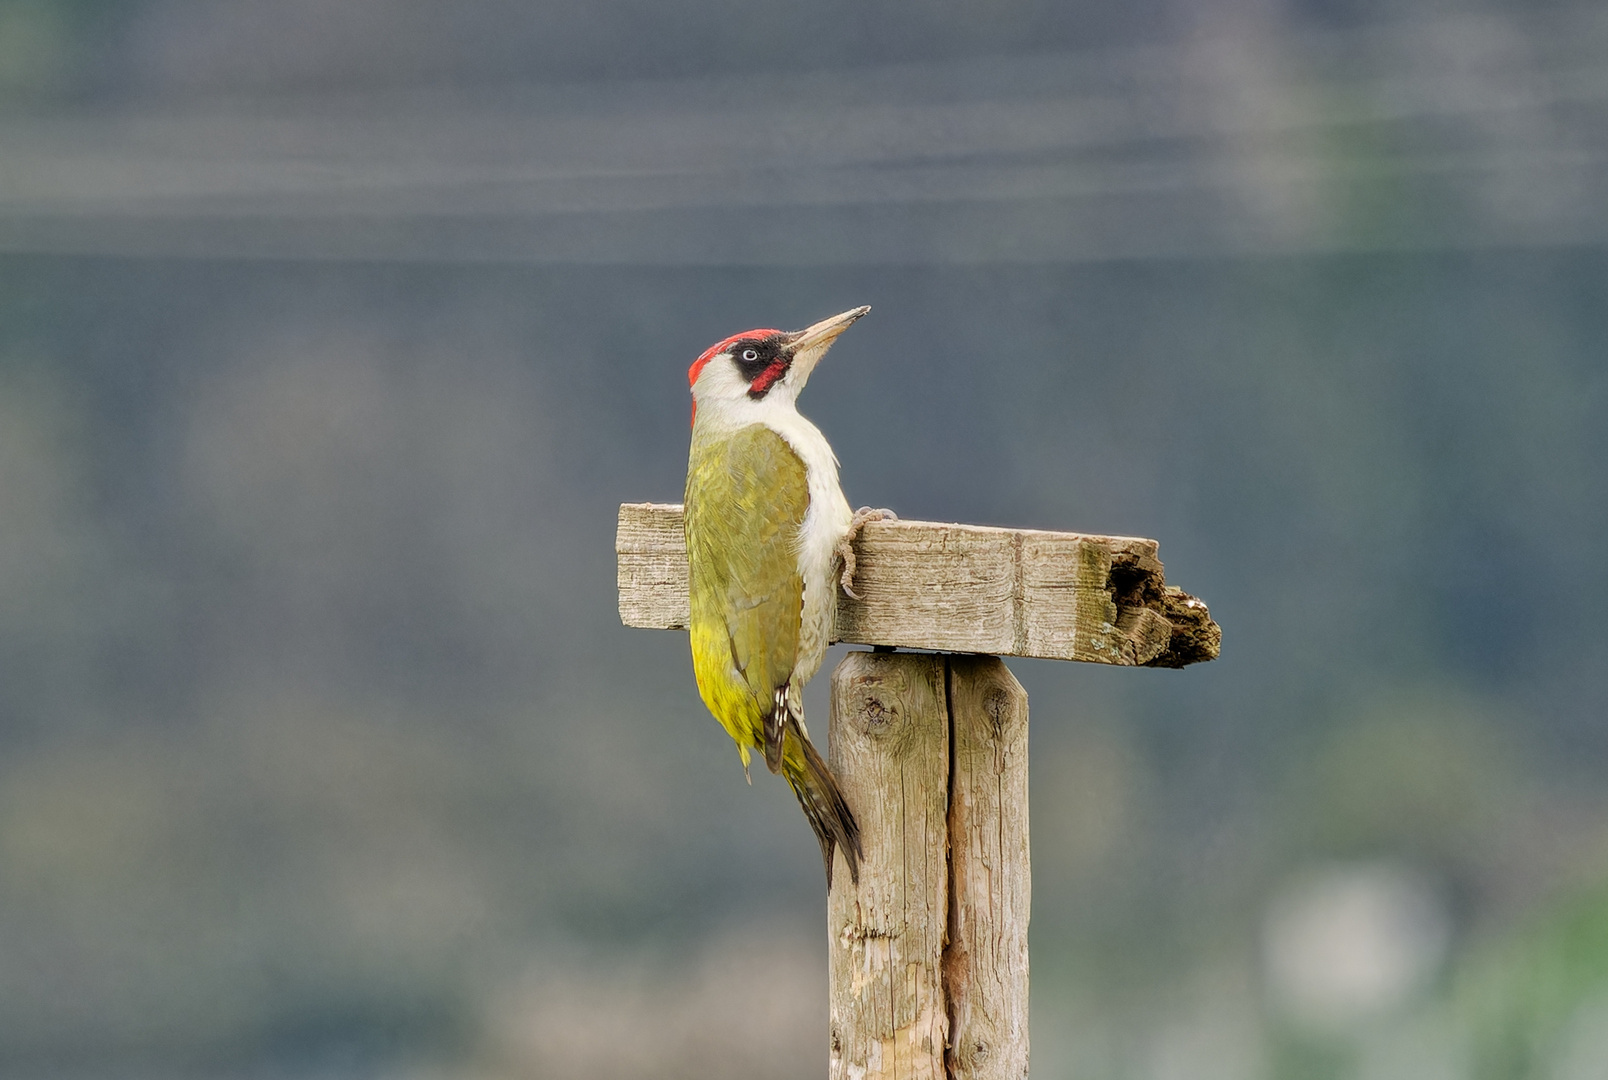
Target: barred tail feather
column 775, row 727
column 823, row 803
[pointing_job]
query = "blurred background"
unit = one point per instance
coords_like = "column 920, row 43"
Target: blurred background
column 333, row 332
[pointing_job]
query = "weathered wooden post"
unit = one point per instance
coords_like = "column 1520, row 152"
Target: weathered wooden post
column 929, row 952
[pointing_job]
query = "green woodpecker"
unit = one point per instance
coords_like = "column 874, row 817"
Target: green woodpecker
column 766, row 525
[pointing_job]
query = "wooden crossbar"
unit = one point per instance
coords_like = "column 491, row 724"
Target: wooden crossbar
column 963, row 589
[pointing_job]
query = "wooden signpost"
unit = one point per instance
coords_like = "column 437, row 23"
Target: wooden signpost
column 928, row 955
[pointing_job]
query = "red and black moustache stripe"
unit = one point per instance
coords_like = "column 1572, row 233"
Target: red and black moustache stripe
column 767, row 378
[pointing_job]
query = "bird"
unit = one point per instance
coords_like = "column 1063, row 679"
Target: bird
column 767, row 526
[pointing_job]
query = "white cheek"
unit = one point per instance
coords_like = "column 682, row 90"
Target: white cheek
column 721, row 391
column 720, row 381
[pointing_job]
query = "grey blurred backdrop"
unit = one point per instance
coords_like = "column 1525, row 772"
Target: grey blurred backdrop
column 332, row 332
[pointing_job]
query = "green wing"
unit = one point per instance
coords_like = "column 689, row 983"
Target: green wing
column 746, row 499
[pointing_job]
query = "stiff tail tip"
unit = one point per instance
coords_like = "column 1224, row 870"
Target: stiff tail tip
column 823, row 804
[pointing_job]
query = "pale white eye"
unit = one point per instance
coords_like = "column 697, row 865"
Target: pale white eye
column 750, row 355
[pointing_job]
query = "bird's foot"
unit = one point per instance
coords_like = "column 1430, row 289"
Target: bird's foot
column 846, row 545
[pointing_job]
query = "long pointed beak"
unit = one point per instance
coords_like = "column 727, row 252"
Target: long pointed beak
column 810, row 344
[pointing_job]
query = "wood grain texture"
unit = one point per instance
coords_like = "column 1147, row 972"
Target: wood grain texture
column 889, row 738
column 962, row 588
column 990, row 889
